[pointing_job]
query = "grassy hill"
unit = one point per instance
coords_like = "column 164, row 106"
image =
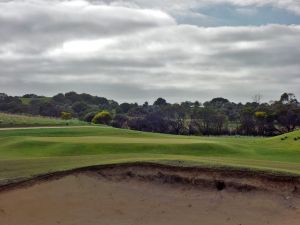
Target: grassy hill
column 13, row 120
column 26, row 101
column 30, row 152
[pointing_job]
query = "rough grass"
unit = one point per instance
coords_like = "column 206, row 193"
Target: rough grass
column 25, row 153
column 12, row 120
column 26, row 101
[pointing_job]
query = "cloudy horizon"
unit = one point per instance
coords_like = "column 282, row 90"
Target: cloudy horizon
column 140, row 50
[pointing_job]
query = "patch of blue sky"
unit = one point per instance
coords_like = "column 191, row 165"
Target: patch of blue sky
column 230, row 15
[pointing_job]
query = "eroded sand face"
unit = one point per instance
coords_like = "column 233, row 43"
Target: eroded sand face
column 86, row 199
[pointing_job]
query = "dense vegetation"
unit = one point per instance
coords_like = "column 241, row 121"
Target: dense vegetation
column 30, row 152
column 216, row 117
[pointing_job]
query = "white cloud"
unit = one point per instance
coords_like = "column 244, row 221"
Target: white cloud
column 81, row 47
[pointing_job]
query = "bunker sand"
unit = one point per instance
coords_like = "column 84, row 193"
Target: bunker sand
column 138, row 195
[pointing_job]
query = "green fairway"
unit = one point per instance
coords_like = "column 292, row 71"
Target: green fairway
column 29, row 152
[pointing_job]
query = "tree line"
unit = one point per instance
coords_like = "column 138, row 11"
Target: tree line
column 216, row 117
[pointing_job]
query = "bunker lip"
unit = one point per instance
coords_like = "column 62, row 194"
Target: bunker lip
column 218, row 178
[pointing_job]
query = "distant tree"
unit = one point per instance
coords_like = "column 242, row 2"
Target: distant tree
column 220, row 123
column 176, row 115
column 288, row 118
column 34, row 106
column 197, row 104
column 137, row 123
column 219, row 100
column 257, row 98
column 49, row 109
column 72, row 96
column 138, row 111
column 3, row 96
column 60, row 98
column 103, row 117
column 79, row 107
column 217, row 103
column 160, row 102
column 261, row 120
column 120, row 121
column 215, row 117
column 146, row 104
column 30, row 96
column 247, row 122
column 210, row 121
column 194, row 127
column 102, row 102
column 155, row 122
column 87, row 98
column 125, row 107
column 288, row 98
column 287, row 112
column 187, row 105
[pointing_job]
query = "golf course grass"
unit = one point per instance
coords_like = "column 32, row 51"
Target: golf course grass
column 14, row 120
column 29, row 152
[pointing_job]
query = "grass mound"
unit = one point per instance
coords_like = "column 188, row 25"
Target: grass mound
column 292, row 136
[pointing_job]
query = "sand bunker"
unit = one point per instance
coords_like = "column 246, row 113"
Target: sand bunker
column 150, row 195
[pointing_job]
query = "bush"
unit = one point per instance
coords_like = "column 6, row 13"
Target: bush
column 103, row 117
column 260, row 114
column 66, row 116
column 89, row 117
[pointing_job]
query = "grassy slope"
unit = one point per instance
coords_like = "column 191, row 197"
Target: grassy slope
column 27, row 101
column 30, row 152
column 13, row 120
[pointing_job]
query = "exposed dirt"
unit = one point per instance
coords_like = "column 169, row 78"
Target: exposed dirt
column 149, row 194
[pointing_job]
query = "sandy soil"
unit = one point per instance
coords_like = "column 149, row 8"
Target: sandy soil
column 89, row 199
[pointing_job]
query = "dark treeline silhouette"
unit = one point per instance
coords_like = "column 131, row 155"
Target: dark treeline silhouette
column 216, row 117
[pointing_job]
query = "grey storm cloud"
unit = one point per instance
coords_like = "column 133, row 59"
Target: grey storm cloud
column 34, row 25
column 133, row 51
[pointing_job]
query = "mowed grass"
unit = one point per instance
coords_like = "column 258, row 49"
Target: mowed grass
column 13, row 120
column 25, row 153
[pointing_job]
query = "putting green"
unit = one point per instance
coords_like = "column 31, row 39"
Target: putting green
column 29, row 152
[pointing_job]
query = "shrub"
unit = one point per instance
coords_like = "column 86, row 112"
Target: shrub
column 260, row 114
column 89, row 117
column 66, row 116
column 103, row 117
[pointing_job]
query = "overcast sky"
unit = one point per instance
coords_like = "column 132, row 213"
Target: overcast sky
column 138, row 50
